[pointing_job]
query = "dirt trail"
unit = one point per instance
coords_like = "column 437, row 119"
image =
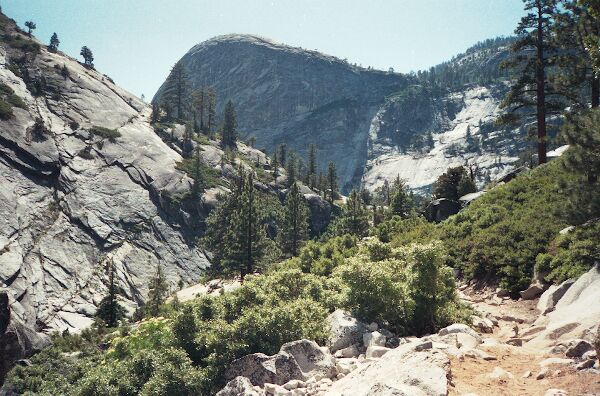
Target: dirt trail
column 473, row 375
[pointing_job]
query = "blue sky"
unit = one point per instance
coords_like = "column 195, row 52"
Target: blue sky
column 137, row 41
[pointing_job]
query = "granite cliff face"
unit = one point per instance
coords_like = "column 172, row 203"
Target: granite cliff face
column 365, row 120
column 290, row 95
column 72, row 200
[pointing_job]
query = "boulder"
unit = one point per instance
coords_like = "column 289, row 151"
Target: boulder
column 239, row 386
column 576, row 348
column 484, row 325
column 440, row 209
column 401, row 371
column 375, row 351
column 586, row 364
column 466, row 200
column 459, row 328
column 260, row 369
column 550, row 297
column 345, row 330
column 320, row 212
column 313, row 362
column 533, row 291
column 500, row 374
column 374, row 339
column 575, row 316
column 348, row 352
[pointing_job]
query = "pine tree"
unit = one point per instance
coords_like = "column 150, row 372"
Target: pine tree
column 88, row 57
column 177, row 89
column 30, row 25
column 534, row 53
column 574, row 27
column 332, row 183
column 109, row 309
column 157, row 294
column 186, row 145
column 235, row 229
column 294, row 229
column 229, row 129
column 291, row 170
column 453, row 184
column 275, row 166
column 54, row 42
column 211, row 109
column 198, row 177
column 282, row 152
column 312, row 165
column 400, row 202
column 355, row 218
column 199, row 102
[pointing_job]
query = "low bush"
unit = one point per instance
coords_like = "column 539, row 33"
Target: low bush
column 110, row 134
column 6, row 112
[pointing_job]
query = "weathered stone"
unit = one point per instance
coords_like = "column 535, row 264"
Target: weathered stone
column 440, row 209
column 550, row 297
column 586, row 364
column 401, row 371
column 556, row 361
column 373, row 339
column 375, row 351
column 484, row 325
column 239, row 386
column 574, row 315
column 460, row 328
column 345, row 330
column 500, row 374
column 556, row 392
column 576, row 348
column 311, row 360
column 348, row 352
column 260, row 369
column 533, row 291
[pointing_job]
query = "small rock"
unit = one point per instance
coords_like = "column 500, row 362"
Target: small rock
column 577, row 348
column 293, row 384
column 559, row 349
column 515, row 342
column 459, row 328
column 270, row 389
column 374, row 351
column 423, row 346
column 510, row 318
column 593, row 355
column 373, row 339
column 348, row 352
column 373, row 326
column 556, row 392
column 484, row 325
column 500, row 374
column 479, row 354
column 586, row 364
column 299, row 392
column 502, row 293
column 542, row 374
column 527, row 374
column 556, row 361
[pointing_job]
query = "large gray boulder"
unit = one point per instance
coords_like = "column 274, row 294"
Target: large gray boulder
column 345, row 330
column 575, row 316
column 320, row 213
column 440, row 209
column 550, row 297
column 400, row 371
column 296, row 360
column 260, row 369
column 313, row 362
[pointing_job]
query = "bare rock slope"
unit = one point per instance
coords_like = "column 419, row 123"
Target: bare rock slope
column 73, row 198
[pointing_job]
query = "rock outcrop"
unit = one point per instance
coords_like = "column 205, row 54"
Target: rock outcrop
column 575, row 316
column 370, row 122
column 74, row 197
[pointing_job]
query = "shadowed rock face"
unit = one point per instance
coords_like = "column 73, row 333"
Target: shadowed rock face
column 291, row 95
column 72, row 201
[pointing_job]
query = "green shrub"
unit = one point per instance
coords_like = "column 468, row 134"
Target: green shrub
column 105, row 133
column 16, row 101
column 5, row 89
column 571, row 254
column 410, row 288
column 5, row 110
column 321, row 258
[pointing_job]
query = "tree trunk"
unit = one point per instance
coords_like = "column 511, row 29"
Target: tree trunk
column 541, row 91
